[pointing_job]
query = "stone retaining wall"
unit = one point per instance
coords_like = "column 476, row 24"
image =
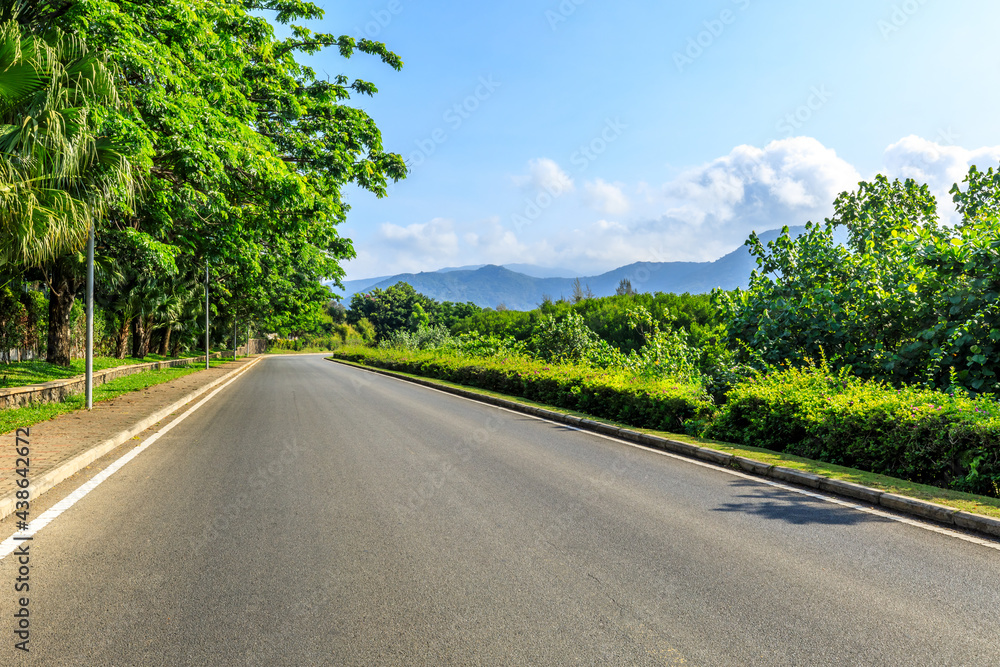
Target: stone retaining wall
column 57, row 390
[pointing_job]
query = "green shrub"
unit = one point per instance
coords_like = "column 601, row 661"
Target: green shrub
column 424, row 338
column 932, row 437
column 655, row 403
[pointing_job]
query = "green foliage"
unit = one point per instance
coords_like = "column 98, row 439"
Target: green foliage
column 400, row 308
column 365, row 329
column 59, row 172
column 562, row 340
column 479, row 345
column 932, row 437
column 606, row 316
column 245, row 150
column 904, row 301
column 390, row 310
column 662, row 403
column 424, row 338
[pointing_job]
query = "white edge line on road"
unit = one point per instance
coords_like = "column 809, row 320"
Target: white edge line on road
column 45, row 518
column 761, row 480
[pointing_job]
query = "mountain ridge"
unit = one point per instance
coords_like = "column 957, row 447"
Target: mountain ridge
column 490, row 285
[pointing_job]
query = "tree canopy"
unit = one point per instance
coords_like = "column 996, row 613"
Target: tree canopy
column 243, row 149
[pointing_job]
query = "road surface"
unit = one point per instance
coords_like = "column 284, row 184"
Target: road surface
column 316, row 514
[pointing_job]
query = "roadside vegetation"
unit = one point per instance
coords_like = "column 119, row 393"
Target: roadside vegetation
column 28, row 415
column 188, row 136
column 879, row 354
column 24, row 373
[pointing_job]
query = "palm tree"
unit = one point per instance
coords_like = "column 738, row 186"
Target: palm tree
column 58, row 175
column 174, row 307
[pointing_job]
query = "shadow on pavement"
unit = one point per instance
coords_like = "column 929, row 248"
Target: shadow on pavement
column 775, row 504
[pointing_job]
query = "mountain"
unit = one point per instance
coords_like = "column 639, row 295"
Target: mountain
column 542, row 271
column 352, row 287
column 488, row 286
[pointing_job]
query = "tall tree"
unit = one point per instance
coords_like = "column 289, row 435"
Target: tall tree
column 58, row 174
column 250, row 148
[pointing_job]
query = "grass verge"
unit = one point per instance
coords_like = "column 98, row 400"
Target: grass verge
column 29, row 415
column 962, row 501
column 23, row 373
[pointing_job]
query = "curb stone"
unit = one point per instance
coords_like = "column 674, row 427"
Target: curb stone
column 79, row 462
column 922, row 509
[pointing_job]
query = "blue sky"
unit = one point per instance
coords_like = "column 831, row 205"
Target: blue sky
column 590, row 134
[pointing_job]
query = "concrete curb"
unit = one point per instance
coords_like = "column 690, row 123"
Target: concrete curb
column 55, row 391
column 911, row 506
column 80, row 461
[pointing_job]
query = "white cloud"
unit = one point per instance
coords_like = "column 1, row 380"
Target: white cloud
column 938, row 166
column 436, row 238
column 545, row 174
column 700, row 215
column 607, row 198
column 787, row 178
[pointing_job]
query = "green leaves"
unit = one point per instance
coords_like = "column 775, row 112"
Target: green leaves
column 57, row 174
column 917, row 434
column 904, row 300
column 246, row 151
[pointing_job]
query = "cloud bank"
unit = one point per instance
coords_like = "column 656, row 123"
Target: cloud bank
column 701, row 214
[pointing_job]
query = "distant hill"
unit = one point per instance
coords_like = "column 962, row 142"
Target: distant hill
column 488, row 286
column 352, row 287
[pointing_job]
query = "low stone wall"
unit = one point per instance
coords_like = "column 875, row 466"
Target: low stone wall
column 57, row 390
column 253, row 346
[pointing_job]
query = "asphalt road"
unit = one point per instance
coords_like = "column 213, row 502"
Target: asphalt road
column 314, row 514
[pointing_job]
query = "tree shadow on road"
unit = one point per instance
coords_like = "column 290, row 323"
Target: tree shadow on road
column 771, row 503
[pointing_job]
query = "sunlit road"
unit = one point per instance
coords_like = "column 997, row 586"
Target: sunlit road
column 315, row 514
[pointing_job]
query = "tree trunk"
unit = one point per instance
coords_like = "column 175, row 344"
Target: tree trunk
column 62, row 294
column 122, row 336
column 165, row 341
column 147, row 334
column 137, row 338
column 176, row 352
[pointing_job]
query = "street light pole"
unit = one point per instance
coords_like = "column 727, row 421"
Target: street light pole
column 90, row 320
column 206, row 315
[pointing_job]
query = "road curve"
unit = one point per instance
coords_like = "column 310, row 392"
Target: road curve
column 316, row 514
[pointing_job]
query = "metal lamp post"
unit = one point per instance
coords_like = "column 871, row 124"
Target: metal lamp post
column 207, row 350
column 90, row 320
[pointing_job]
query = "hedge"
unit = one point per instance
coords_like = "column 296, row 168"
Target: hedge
column 921, row 435
column 931, row 437
column 661, row 404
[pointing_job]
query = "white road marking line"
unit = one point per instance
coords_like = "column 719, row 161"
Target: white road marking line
column 762, row 480
column 45, row 518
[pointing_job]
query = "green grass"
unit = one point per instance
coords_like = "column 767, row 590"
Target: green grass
column 963, row 501
column 22, row 373
column 34, row 413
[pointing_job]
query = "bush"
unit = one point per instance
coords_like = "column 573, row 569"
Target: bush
column 655, row 403
column 932, row 437
column 424, row 338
